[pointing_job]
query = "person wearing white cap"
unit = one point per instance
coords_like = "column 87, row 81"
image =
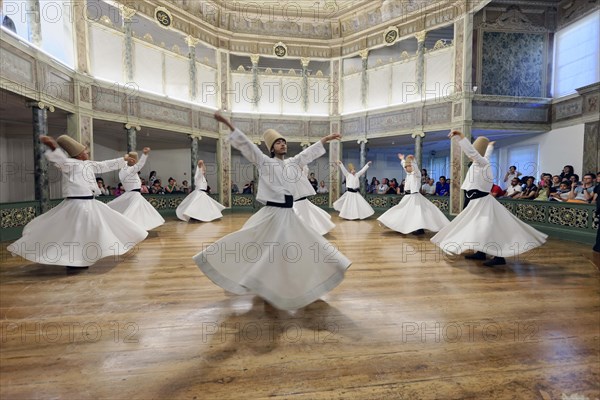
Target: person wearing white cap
column 275, row 255
column 352, row 205
column 414, row 213
column 313, row 216
column 80, row 230
column 485, row 225
column 199, row 205
column 131, row 203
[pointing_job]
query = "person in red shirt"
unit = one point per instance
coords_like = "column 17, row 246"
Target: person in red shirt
column 497, row 191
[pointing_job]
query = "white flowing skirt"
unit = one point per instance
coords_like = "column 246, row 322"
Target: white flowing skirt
column 135, row 207
column 487, row 226
column 353, row 206
column 313, row 216
column 412, row 213
column 199, row 205
column 77, row 233
column 276, row 257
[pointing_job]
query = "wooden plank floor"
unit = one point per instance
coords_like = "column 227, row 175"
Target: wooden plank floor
column 406, row 323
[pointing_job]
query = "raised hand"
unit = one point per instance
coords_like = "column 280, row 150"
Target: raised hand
column 456, row 133
column 369, row 162
column 219, row 117
column 333, row 136
column 49, row 141
column 146, row 150
column 401, row 156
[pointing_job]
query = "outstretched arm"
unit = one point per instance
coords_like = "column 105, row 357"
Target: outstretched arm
column 344, row 170
column 468, row 148
column 241, row 142
column 140, row 164
column 364, row 169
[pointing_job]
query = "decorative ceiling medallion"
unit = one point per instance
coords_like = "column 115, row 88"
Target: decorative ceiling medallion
column 163, row 17
column 280, row 50
column 390, row 35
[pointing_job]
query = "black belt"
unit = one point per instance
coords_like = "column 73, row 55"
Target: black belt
column 302, row 198
column 203, row 190
column 352, row 190
column 136, row 190
column 409, row 192
column 289, row 202
column 475, row 194
column 80, row 198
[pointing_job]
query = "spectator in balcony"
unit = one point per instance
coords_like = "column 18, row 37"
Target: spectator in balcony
column 372, row 187
column 248, row 188
column 171, row 186
column 442, row 188
column 234, row 188
column 562, row 193
column 185, row 187
column 157, row 188
column 556, row 181
column 497, row 191
column 103, row 190
column 514, row 189
column 568, row 171
column 428, row 189
column 529, row 190
column 510, row 174
column 424, row 177
column 383, row 187
column 584, row 192
column 393, row 189
column 144, row 187
column 322, row 188
column 402, row 186
column 574, row 179
column 152, row 177
column 313, row 181
column 119, row 190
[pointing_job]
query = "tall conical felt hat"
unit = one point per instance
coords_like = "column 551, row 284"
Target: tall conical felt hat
column 270, row 136
column 409, row 159
column 351, row 167
column 481, row 144
column 70, row 145
column 133, row 155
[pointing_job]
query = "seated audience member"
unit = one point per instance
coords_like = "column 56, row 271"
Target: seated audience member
column 383, row 187
column 574, row 179
column 584, row 192
column 171, row 186
column 543, row 191
column 322, row 188
column 152, row 177
column 401, row 186
column 372, row 187
column 313, row 181
column 248, row 188
column 119, row 190
column 510, row 174
column 428, row 189
column 442, row 188
column 393, row 188
column 562, row 193
column 529, row 190
column 496, row 191
column 514, row 189
column 556, row 181
column 567, row 172
column 424, row 177
column 234, row 188
column 103, row 190
column 185, row 187
column 144, row 187
column 156, row 188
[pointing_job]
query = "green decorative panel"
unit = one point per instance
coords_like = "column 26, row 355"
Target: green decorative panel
column 394, row 200
column 18, row 216
column 569, row 217
column 509, row 206
column 378, row 201
column 321, row 200
column 443, row 203
column 596, row 221
column 533, row 212
column 175, row 202
column 240, row 200
column 158, row 202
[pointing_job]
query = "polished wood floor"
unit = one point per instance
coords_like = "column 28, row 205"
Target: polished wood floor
column 406, row 323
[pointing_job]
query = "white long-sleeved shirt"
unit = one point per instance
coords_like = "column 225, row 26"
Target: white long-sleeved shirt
column 79, row 177
column 413, row 179
column 129, row 177
column 200, row 179
column 353, row 180
column 480, row 174
column 277, row 178
column 305, row 188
